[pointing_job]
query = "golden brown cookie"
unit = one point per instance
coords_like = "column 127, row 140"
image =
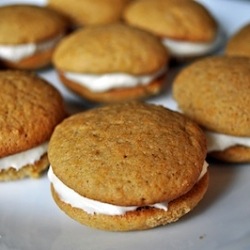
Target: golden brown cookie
column 186, row 28
column 123, row 155
column 112, row 63
column 215, row 93
column 28, row 35
column 29, row 111
column 90, row 12
column 239, row 43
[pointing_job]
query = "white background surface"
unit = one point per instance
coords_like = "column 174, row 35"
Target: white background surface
column 30, row 220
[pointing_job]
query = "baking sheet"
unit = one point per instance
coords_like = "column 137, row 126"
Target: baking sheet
column 29, row 218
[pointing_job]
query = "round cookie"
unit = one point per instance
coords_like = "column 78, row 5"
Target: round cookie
column 143, row 166
column 28, row 35
column 112, row 63
column 239, row 43
column 29, row 111
column 186, row 28
column 90, row 12
column 215, row 93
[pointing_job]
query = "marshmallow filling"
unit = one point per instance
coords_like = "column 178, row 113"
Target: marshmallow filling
column 184, row 49
column 16, row 53
column 90, row 206
column 106, row 82
column 19, row 160
column 220, row 142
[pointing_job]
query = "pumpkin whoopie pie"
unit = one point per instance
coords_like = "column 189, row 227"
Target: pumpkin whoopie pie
column 29, row 111
column 112, row 63
column 239, row 43
column 215, row 92
column 89, row 12
column 186, row 28
column 28, row 35
column 127, row 166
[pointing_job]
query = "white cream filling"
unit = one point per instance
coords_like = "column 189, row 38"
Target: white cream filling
column 203, row 171
column 105, row 82
column 220, row 142
column 184, row 49
column 90, row 206
column 24, row 158
column 16, row 53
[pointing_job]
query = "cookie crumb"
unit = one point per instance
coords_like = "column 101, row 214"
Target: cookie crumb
column 202, row 236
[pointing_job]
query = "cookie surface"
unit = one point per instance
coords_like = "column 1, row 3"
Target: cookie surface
column 111, row 48
column 134, row 154
column 239, row 43
column 215, row 93
column 30, row 109
column 176, row 19
column 21, row 24
column 90, row 12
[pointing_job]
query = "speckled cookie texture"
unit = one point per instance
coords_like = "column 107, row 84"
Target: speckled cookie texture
column 114, row 48
column 28, row 24
column 90, row 12
column 215, row 93
column 239, row 43
column 176, row 19
column 110, row 48
column 29, row 111
column 130, row 154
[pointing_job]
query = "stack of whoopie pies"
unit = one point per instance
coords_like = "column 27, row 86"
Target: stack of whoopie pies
column 126, row 164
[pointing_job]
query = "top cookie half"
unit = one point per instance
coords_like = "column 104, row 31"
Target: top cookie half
column 239, row 43
column 90, row 12
column 110, row 48
column 216, row 93
column 175, row 19
column 21, row 24
column 29, row 111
